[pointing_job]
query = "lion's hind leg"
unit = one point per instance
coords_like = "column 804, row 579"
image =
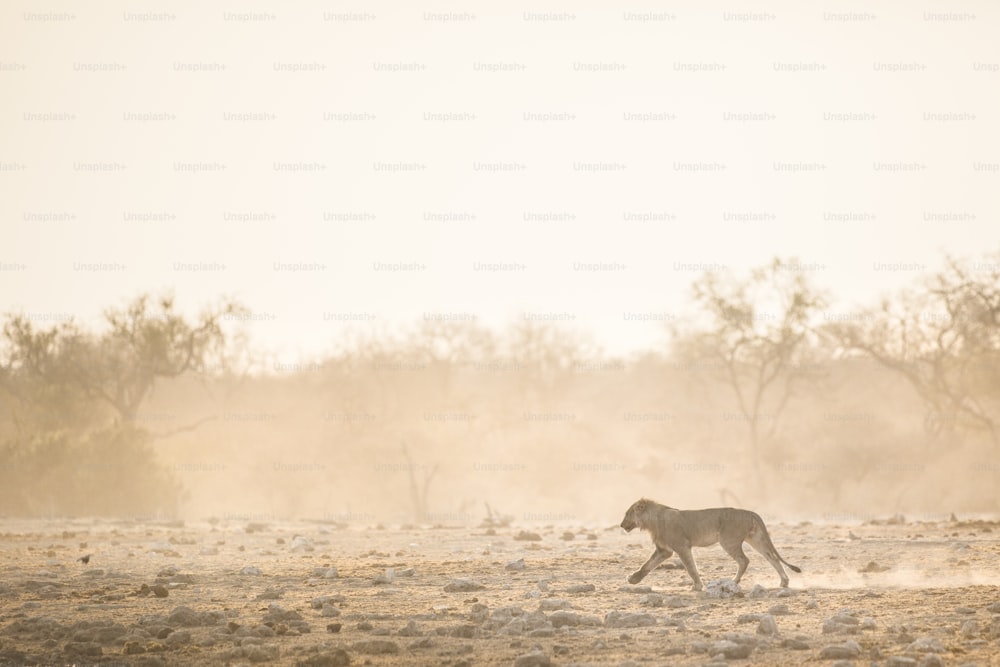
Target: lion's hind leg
column 762, row 545
column 735, row 549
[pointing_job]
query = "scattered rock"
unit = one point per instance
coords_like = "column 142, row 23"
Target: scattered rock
column 318, row 603
column 325, row 572
column 872, row 566
column 568, row 536
column 621, row 619
column 758, row 591
column 795, row 644
column 515, row 565
column 779, row 610
column 463, row 586
column 276, row 613
column 386, row 577
column 722, row 588
column 843, row 622
column 925, row 645
column 533, row 659
column 300, row 544
column 552, row 604
column 479, row 612
column 846, row 651
column 83, row 649
column 527, row 536
column 376, row 647
column 410, row 630
column 652, row 600
column 970, row 629
column 133, row 648
column 330, row 611
column 730, row 650
column 251, row 570
column 336, row 657
column 333, row 627
column 581, row 588
column 900, row 661
column 767, row 626
column 561, row 619
column 270, row 594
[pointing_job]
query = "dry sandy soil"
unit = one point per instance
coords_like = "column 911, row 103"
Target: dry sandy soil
column 319, row 594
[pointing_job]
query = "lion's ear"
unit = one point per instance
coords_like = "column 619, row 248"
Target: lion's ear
column 641, row 505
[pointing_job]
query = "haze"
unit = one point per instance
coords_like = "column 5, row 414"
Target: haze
column 351, row 174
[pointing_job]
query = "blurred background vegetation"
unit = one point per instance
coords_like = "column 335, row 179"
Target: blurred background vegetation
column 759, row 396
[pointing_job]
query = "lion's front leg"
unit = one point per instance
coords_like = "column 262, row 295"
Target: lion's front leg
column 654, row 561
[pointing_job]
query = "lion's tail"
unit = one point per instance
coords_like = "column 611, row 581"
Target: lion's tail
column 770, row 545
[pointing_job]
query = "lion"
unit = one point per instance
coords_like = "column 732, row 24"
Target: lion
column 676, row 530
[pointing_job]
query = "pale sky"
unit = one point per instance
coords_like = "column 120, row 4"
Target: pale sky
column 206, row 149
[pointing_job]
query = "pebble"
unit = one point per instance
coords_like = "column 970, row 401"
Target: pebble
column 722, row 588
column 527, row 536
column 846, row 651
column 515, row 565
column 767, row 626
column 581, row 588
column 375, row 646
column 730, row 650
column 251, row 570
column 925, row 645
column 533, row 659
column 621, row 619
column 553, row 604
column 463, row 586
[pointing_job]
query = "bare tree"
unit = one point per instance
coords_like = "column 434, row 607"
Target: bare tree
column 943, row 336
column 758, row 334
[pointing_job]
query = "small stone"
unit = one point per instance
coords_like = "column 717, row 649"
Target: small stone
column 767, row 626
column 900, row 661
column 133, row 648
column 581, row 588
column 386, row 577
column 329, row 611
column 779, row 610
column 845, row 651
column 336, row 657
column 376, row 647
column 251, row 570
column 925, row 645
column 730, row 650
column 533, row 659
column 568, row 536
column 527, row 536
column 333, row 627
column 463, row 586
column 620, row 619
column 722, row 588
column 160, row 591
column 553, row 604
column 515, row 565
column 970, row 629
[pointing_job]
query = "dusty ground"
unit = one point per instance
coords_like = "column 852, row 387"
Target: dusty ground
column 172, row 593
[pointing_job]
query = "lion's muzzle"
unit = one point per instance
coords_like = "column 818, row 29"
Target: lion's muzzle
column 628, row 525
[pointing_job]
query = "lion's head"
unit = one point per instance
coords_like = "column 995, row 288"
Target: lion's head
column 635, row 517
